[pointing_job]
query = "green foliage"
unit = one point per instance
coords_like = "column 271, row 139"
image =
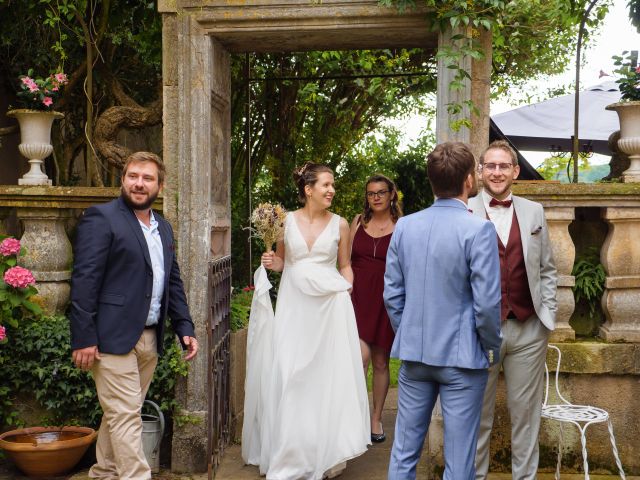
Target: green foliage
column 37, row 367
column 628, row 75
column 590, row 277
column 241, row 308
column 394, row 368
column 124, row 38
column 560, row 168
column 634, row 13
column 314, row 106
column 530, row 38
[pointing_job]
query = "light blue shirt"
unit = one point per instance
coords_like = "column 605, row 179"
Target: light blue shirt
column 154, row 243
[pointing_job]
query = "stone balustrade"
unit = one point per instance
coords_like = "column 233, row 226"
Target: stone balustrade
column 45, row 215
column 619, row 206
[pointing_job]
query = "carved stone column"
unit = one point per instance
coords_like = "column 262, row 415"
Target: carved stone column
column 564, row 254
column 620, row 256
column 48, row 254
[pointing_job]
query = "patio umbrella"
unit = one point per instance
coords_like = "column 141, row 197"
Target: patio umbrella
column 548, row 125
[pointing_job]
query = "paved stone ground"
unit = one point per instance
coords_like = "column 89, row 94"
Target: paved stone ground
column 370, row 466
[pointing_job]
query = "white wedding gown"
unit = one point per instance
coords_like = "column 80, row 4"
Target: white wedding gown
column 306, row 404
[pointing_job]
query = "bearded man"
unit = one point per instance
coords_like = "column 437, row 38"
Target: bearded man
column 125, row 282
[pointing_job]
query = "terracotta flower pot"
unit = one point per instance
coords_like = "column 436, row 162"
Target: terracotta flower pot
column 47, row 451
column 35, row 142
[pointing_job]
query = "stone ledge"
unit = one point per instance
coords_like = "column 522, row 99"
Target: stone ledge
column 59, row 197
column 597, row 358
column 552, row 194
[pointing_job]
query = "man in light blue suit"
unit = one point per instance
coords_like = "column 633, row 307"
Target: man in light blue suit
column 442, row 293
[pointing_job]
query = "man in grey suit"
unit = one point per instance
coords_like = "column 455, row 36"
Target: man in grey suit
column 528, row 310
column 442, row 293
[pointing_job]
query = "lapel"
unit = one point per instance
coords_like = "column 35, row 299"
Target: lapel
column 524, row 222
column 477, row 205
column 167, row 246
column 133, row 222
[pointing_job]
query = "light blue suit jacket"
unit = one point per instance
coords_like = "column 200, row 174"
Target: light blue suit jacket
column 442, row 288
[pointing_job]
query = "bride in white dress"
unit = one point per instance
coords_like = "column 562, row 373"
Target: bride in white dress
column 308, row 407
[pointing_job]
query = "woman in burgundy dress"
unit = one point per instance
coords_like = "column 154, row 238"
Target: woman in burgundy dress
column 371, row 233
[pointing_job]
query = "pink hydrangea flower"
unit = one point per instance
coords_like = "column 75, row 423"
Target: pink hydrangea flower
column 48, row 101
column 3, row 333
column 19, row 277
column 9, row 246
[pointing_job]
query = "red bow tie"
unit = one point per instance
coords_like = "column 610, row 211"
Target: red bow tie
column 500, row 203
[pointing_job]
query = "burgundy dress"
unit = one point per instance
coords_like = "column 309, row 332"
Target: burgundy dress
column 368, row 260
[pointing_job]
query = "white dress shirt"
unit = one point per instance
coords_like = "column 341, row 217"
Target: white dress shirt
column 154, row 243
column 502, row 217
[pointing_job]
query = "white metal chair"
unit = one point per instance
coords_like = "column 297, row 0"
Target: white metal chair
column 582, row 416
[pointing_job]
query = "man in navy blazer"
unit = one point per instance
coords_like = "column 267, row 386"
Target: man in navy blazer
column 442, row 293
column 125, row 282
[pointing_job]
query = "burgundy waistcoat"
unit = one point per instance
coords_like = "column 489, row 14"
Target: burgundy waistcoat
column 516, row 296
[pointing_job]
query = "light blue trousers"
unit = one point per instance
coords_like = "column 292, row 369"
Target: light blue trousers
column 461, row 391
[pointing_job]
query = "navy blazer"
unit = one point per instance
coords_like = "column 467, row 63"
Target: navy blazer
column 112, row 281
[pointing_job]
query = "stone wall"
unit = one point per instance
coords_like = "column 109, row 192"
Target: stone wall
column 593, row 373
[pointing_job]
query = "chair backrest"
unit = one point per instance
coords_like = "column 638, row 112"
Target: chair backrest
column 557, row 382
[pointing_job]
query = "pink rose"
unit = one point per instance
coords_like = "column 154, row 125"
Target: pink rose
column 19, row 277
column 48, row 101
column 3, row 333
column 9, row 246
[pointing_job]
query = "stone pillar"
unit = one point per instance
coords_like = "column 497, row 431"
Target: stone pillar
column 197, row 152
column 481, row 94
column 564, row 254
column 620, row 256
column 449, row 126
column 48, row 254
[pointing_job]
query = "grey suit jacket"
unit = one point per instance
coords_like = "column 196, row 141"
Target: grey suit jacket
column 538, row 256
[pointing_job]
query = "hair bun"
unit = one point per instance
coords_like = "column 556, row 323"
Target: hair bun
column 298, row 172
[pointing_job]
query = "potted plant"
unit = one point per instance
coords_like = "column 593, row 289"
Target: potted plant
column 628, row 110
column 38, row 96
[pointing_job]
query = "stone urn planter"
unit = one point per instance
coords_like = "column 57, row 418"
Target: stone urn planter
column 35, row 142
column 629, row 116
column 46, row 452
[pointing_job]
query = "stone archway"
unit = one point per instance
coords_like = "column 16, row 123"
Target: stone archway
column 198, row 37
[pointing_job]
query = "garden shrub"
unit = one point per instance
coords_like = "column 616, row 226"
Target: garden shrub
column 36, row 365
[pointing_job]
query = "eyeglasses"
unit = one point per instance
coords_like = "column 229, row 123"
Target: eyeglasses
column 492, row 167
column 378, row 194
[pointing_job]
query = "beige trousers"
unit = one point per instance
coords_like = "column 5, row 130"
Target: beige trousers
column 122, row 382
column 522, row 356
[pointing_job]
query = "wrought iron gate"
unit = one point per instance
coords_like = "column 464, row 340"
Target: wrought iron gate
column 219, row 360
